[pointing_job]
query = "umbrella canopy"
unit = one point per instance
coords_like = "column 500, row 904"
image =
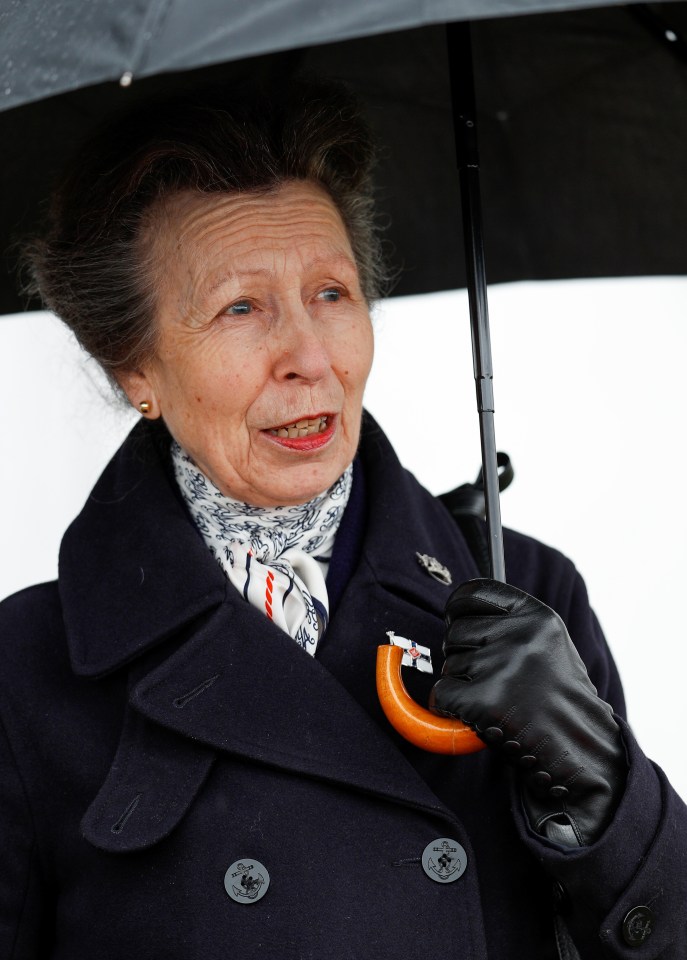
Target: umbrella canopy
column 70, row 44
column 580, row 114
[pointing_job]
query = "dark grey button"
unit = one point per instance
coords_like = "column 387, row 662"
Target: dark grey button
column 246, row 881
column 540, row 780
column 493, row 734
column 444, row 860
column 637, row 926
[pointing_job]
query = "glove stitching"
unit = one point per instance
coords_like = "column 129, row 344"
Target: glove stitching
column 573, row 777
column 520, row 736
column 504, row 720
column 558, row 760
column 542, row 743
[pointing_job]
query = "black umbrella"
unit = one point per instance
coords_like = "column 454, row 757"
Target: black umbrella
column 580, row 117
column 579, row 113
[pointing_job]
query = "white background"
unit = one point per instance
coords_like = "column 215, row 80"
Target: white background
column 590, row 404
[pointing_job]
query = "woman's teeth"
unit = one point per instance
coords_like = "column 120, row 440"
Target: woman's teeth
column 304, row 428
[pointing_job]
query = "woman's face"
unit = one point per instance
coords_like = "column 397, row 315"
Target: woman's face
column 265, row 341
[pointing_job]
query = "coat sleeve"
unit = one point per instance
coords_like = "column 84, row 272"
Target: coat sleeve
column 640, row 861
column 23, row 922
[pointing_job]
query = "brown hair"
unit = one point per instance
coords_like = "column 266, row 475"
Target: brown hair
column 93, row 268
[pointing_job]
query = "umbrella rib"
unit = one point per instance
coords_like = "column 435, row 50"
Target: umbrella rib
column 150, row 27
column 666, row 33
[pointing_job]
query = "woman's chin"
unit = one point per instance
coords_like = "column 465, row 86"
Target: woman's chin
column 296, row 483
column 299, row 490
column 302, row 467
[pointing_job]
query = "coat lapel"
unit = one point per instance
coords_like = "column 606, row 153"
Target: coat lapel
column 244, row 687
column 133, row 569
column 153, row 780
column 234, row 682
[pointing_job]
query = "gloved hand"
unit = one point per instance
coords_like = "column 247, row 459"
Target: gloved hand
column 514, row 676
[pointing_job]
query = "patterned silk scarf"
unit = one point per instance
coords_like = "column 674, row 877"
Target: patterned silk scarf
column 276, row 557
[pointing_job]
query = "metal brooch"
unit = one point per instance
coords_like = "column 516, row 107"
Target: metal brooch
column 434, row 568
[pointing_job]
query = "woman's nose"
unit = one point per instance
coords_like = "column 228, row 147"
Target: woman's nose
column 300, row 350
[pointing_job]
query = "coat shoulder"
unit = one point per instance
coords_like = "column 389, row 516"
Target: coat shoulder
column 551, row 577
column 538, row 568
column 33, row 606
column 531, row 565
column 31, row 629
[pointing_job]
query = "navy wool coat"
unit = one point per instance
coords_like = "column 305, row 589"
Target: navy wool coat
column 157, row 729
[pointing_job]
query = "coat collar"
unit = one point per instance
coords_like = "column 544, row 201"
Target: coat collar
column 404, row 519
column 133, row 570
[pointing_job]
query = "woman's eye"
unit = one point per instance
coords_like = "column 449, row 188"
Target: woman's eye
column 239, row 309
column 330, row 295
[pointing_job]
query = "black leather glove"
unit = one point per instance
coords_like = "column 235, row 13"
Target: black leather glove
column 514, row 676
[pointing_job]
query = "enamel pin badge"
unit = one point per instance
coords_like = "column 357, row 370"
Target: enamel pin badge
column 435, row 569
column 414, row 655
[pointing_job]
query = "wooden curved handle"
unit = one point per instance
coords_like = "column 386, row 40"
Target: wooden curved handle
column 421, row 727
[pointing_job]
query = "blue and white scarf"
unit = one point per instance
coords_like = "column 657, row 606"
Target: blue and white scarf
column 276, row 557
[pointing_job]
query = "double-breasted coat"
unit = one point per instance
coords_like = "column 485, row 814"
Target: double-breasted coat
column 158, row 729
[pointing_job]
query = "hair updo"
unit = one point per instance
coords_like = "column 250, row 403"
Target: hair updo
column 94, row 267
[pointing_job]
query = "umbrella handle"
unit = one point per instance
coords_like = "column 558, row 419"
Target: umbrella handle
column 419, row 726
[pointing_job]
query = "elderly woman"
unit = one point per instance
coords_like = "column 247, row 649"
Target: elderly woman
column 195, row 762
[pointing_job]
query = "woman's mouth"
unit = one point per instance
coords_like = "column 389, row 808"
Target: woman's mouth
column 306, row 434
column 303, row 428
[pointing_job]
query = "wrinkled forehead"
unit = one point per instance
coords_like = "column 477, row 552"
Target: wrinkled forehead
column 198, row 227
column 204, row 243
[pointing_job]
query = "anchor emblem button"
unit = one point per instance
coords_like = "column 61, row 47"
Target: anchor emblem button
column 637, row 926
column 246, row 881
column 444, row 860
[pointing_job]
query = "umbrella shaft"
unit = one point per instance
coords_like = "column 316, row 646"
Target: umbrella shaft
column 463, row 101
column 490, row 472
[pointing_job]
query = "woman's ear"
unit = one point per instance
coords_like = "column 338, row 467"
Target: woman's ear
column 140, row 391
